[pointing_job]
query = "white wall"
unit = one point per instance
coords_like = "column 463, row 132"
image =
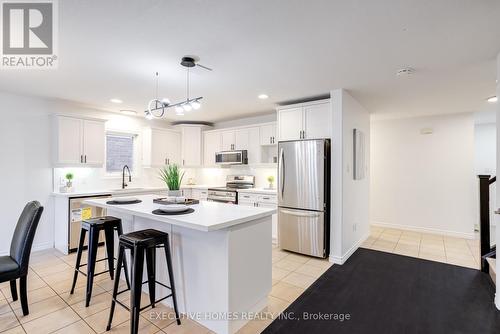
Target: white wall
column 424, row 182
column 485, row 148
column 350, row 198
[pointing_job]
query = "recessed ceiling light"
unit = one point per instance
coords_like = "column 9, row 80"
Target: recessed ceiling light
column 116, row 101
column 263, row 96
column 128, row 112
column 492, row 99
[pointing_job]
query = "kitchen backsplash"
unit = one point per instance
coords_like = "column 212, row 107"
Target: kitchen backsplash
column 90, row 179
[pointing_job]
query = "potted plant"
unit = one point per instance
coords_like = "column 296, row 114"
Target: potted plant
column 270, row 179
column 69, row 182
column 172, row 176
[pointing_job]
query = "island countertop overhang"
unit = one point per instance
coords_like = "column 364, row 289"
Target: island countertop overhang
column 207, row 217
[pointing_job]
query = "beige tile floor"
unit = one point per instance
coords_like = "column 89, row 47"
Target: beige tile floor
column 457, row 251
column 54, row 310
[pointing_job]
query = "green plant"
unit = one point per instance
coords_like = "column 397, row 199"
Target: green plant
column 270, row 179
column 172, row 176
column 69, row 176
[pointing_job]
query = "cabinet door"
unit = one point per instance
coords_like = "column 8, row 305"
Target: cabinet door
column 290, row 123
column 228, row 140
column 94, row 138
column 191, row 146
column 246, row 203
column 159, row 142
column 253, row 147
column 173, row 148
column 317, row 121
column 241, row 139
column 274, row 219
column 211, row 145
column 69, row 140
column 268, row 135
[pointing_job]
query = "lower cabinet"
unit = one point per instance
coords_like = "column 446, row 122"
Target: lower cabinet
column 194, row 193
column 263, row 201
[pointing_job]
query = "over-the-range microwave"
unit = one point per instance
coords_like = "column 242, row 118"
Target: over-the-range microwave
column 238, row 157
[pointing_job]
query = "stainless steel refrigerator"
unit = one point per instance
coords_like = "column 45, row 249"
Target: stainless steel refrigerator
column 304, row 196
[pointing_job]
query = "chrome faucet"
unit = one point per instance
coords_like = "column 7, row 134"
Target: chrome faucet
column 123, row 176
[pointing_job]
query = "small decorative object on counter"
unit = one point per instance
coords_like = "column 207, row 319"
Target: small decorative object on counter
column 69, row 182
column 191, row 182
column 172, row 176
column 270, row 179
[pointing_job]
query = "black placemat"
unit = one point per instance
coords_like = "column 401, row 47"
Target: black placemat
column 163, row 213
column 124, row 203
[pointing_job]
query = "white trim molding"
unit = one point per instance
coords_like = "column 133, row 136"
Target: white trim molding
column 342, row 259
column 424, row 230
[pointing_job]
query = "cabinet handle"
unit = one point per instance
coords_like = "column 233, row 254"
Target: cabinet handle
column 183, row 162
column 265, row 197
column 166, row 161
column 81, row 159
column 85, row 158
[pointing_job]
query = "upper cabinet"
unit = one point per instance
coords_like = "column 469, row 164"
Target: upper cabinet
column 191, row 146
column 212, row 143
column 268, row 134
column 79, row 142
column 309, row 120
column 161, row 147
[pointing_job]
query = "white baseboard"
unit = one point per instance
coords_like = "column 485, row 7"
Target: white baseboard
column 342, row 259
column 34, row 248
column 424, row 230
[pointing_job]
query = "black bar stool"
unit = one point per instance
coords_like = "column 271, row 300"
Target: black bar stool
column 93, row 226
column 140, row 242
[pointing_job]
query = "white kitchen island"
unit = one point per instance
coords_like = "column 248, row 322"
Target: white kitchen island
column 221, row 258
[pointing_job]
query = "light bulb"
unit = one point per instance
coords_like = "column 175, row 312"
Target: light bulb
column 187, row 107
column 179, row 111
column 196, row 105
column 165, row 101
column 492, row 99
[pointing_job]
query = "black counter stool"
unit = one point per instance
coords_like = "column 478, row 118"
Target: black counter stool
column 140, row 242
column 94, row 226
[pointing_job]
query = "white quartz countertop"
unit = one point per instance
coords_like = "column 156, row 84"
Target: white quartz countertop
column 207, row 216
column 114, row 192
column 196, row 186
column 263, row 191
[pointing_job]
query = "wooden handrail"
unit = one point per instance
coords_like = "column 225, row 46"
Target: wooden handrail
column 493, row 179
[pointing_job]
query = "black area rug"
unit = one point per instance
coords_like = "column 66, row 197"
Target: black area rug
column 388, row 293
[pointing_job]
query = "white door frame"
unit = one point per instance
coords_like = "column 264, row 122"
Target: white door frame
column 497, row 217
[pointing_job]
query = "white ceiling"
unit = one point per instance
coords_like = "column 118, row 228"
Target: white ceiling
column 288, row 49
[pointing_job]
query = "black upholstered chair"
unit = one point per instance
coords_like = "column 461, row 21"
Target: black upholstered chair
column 15, row 265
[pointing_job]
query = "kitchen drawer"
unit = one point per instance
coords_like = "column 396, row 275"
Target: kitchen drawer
column 248, row 197
column 268, row 199
column 246, row 202
column 200, row 194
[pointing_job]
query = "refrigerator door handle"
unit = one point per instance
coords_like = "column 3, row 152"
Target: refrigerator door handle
column 301, row 214
column 282, row 171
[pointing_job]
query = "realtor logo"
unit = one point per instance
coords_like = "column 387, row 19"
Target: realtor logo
column 28, row 34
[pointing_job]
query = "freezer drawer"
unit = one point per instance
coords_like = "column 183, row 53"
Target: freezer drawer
column 302, row 231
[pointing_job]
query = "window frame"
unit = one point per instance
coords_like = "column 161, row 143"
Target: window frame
column 135, row 158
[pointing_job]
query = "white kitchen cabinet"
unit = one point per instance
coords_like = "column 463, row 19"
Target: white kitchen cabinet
column 199, row 194
column 228, row 139
column 309, row 120
column 79, row 142
column 290, row 123
column 93, row 142
column 191, row 146
column 262, row 201
column 161, row 147
column 268, row 135
column 317, row 121
column 212, row 143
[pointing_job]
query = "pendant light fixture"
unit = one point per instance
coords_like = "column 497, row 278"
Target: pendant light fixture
column 157, row 108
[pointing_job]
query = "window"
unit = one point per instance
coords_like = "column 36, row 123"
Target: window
column 120, row 150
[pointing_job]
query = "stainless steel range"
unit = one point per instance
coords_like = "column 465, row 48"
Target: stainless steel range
column 229, row 193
